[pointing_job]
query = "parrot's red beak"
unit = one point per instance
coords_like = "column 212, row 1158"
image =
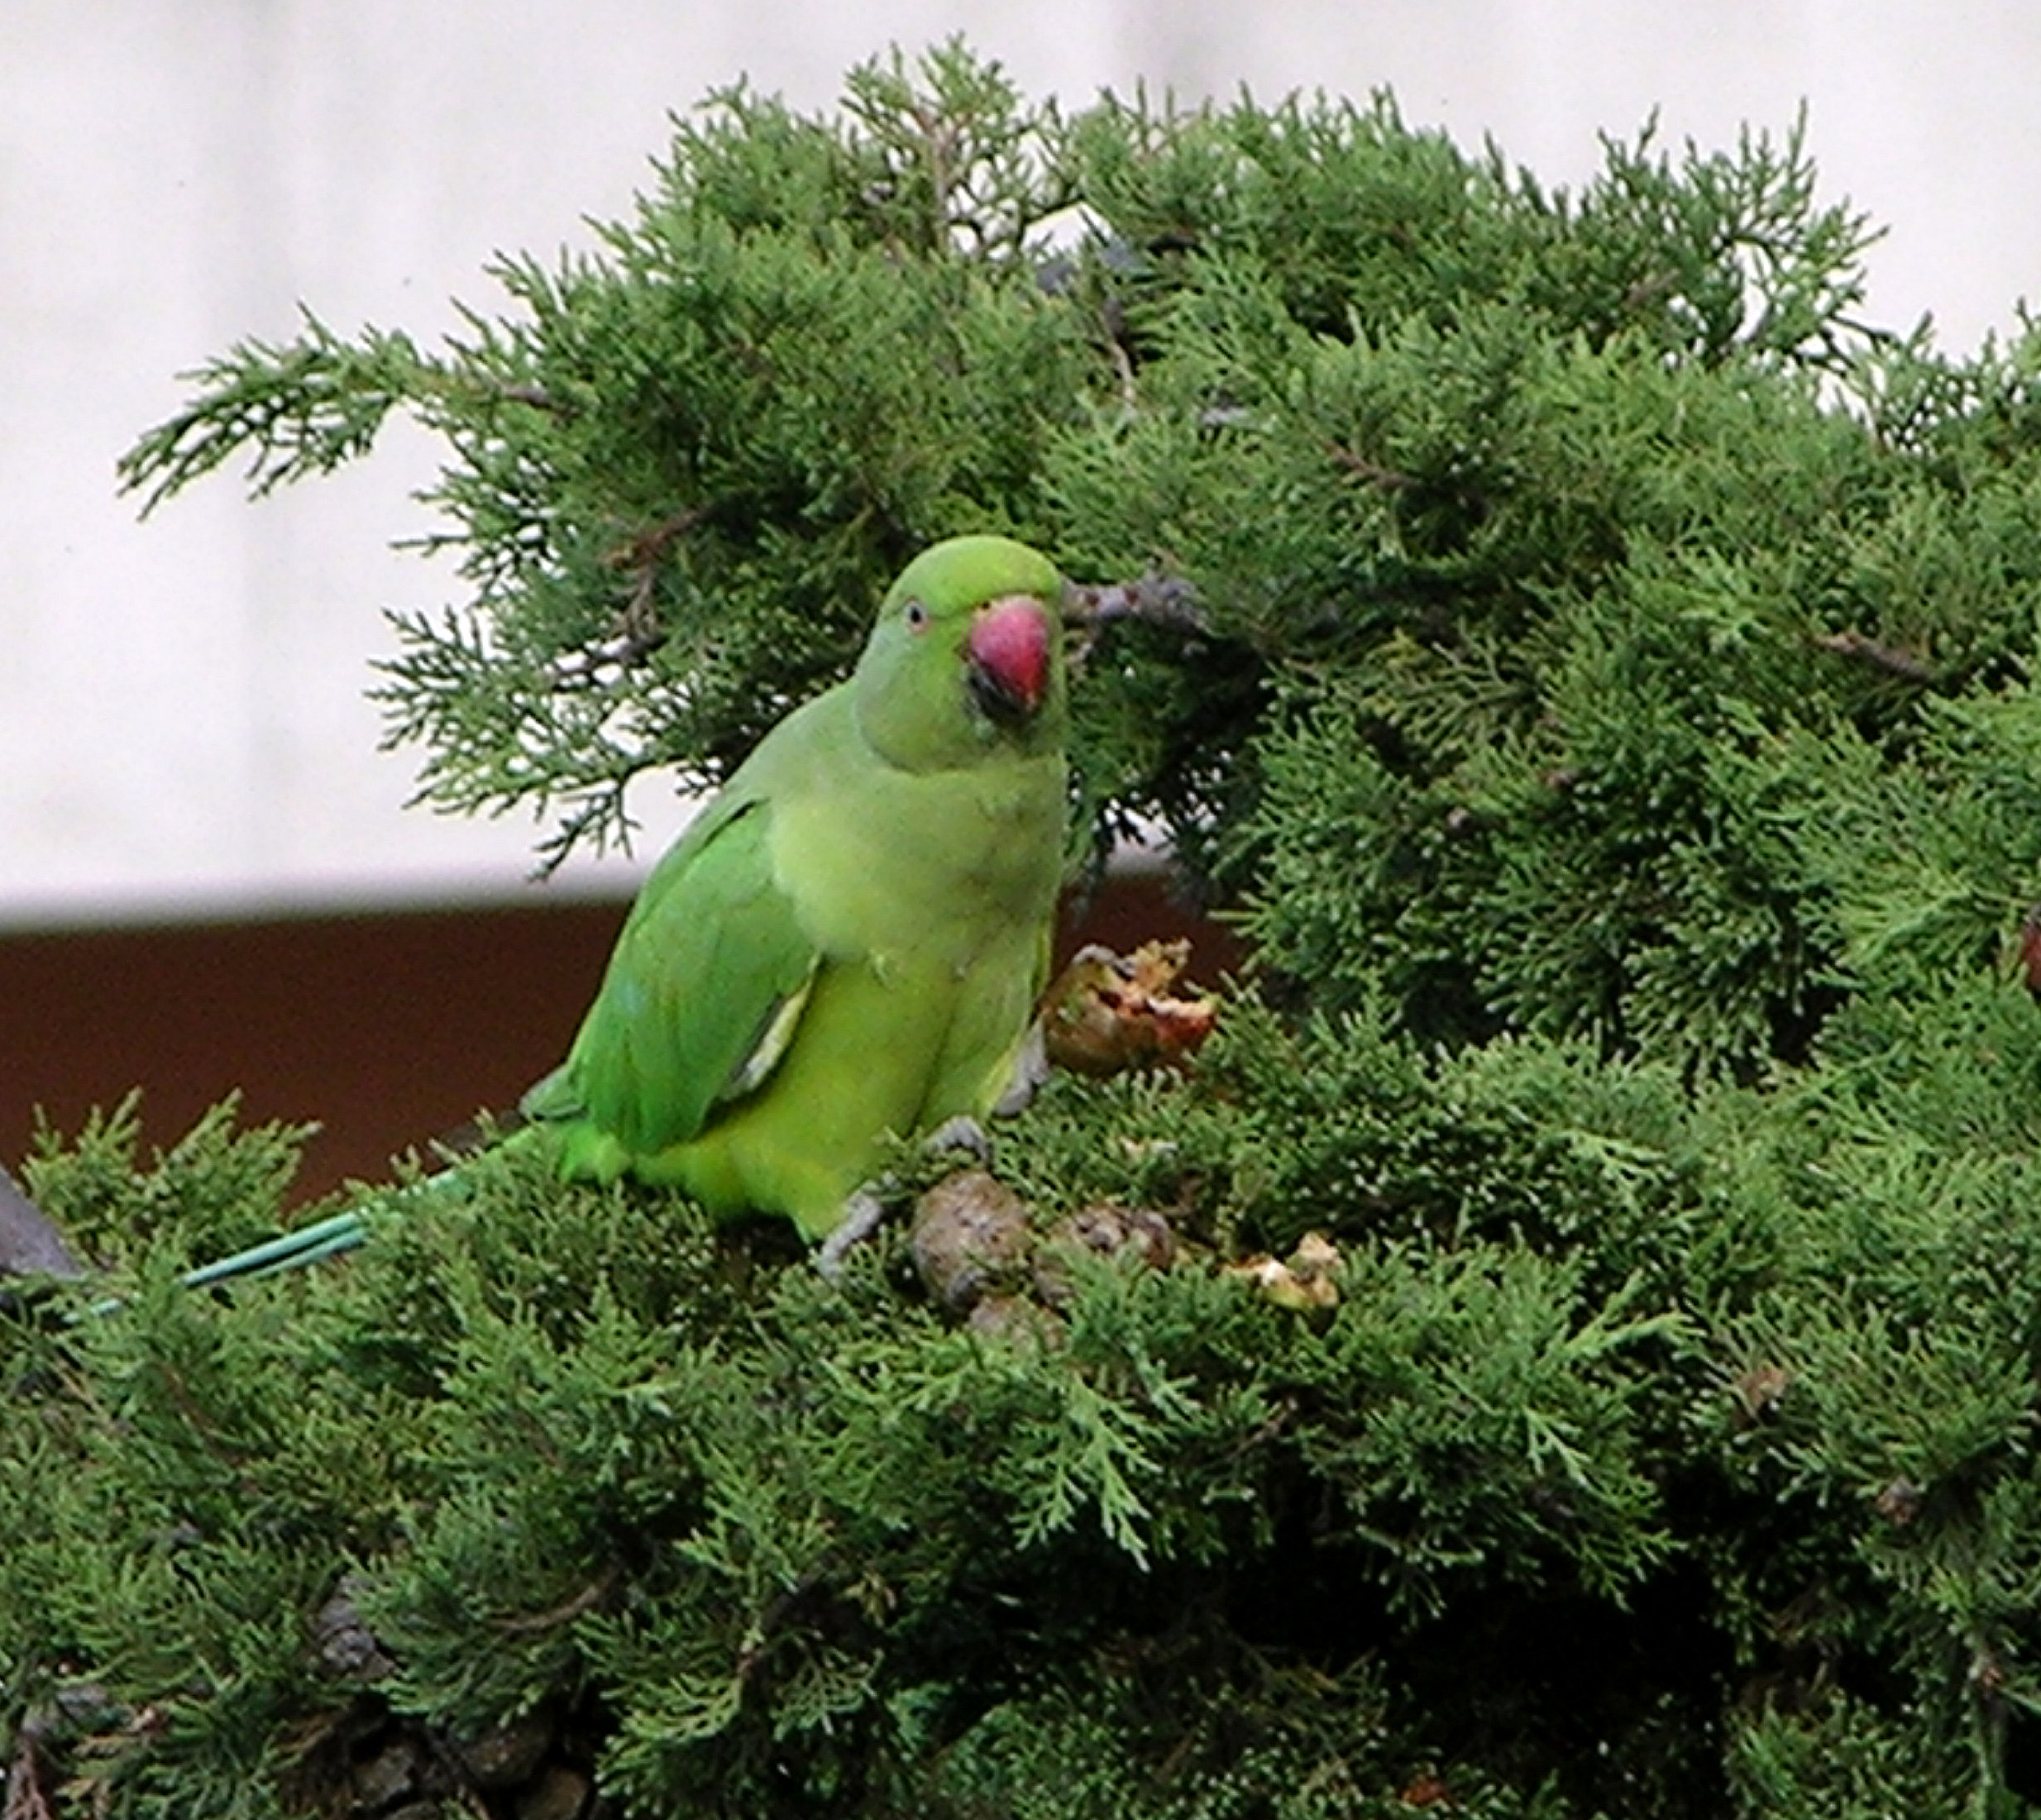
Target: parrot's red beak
column 1007, row 651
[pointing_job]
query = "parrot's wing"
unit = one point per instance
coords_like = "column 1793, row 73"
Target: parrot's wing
column 702, row 995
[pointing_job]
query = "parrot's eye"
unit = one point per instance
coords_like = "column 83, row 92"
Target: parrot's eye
column 916, row 616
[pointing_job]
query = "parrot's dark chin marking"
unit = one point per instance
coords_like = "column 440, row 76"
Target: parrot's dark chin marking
column 1001, row 704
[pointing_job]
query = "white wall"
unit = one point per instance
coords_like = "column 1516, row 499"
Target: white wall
column 182, row 725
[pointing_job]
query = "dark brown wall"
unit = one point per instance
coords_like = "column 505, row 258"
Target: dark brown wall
column 387, row 1029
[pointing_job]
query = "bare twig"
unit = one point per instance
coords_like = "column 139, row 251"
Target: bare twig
column 644, row 550
column 25, row 1797
column 636, row 633
column 1389, row 479
column 578, row 1605
column 1154, row 599
column 538, row 397
column 1894, row 660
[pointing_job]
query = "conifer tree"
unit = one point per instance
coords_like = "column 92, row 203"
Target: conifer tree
column 1608, row 713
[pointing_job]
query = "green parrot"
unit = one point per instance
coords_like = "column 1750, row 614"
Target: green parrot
column 848, row 941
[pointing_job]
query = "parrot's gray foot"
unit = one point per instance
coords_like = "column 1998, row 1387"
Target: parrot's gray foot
column 1030, row 1069
column 862, row 1215
column 964, row 1135
column 864, row 1211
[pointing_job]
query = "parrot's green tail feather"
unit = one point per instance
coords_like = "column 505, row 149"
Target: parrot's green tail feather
column 329, row 1238
column 308, row 1244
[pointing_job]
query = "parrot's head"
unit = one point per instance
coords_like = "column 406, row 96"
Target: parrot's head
column 966, row 659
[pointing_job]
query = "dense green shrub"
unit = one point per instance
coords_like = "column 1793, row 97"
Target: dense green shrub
column 1609, row 716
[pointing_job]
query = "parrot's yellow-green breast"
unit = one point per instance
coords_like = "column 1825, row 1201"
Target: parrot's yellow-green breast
column 849, row 941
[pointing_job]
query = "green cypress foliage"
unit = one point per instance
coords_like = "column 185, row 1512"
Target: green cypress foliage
column 1610, row 717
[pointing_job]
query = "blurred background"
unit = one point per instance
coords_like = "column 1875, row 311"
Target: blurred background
column 207, row 875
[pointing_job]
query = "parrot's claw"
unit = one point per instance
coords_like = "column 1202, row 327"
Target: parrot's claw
column 964, row 1136
column 862, row 1215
